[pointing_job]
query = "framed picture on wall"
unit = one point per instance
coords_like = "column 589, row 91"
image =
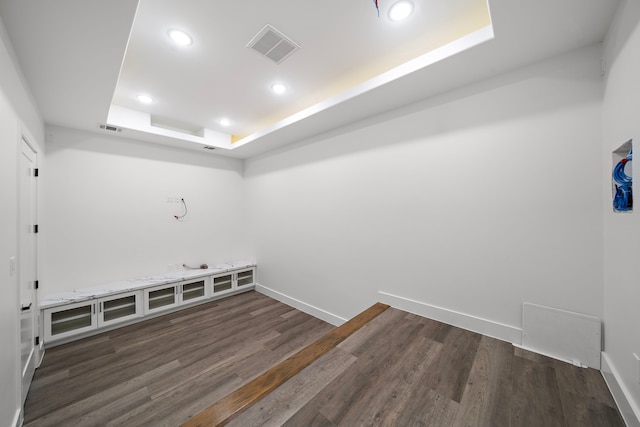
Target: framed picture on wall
column 622, row 178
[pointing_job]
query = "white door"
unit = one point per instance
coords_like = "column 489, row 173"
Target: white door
column 27, row 263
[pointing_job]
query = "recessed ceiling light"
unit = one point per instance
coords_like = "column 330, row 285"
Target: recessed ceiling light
column 145, row 99
column 180, row 37
column 224, row 122
column 278, row 88
column 401, row 10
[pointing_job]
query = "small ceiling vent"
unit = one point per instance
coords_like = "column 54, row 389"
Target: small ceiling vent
column 111, row 128
column 273, row 44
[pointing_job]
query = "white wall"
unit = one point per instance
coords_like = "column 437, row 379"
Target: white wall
column 621, row 122
column 107, row 213
column 16, row 109
column 9, row 368
column 473, row 202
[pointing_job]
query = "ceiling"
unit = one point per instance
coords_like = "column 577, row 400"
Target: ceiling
column 87, row 60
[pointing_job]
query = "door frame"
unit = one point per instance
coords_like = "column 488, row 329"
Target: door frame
column 24, row 136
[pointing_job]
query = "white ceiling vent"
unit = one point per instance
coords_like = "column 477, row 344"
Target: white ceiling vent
column 273, row 44
column 110, row 128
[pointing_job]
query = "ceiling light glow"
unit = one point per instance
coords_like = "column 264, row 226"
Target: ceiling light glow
column 224, row 122
column 180, row 37
column 400, row 10
column 278, row 88
column 145, row 99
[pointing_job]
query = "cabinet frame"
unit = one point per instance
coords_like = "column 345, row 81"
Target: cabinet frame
column 241, row 277
column 50, row 321
column 206, row 290
column 137, row 305
column 233, row 281
column 148, row 298
column 225, row 279
column 178, row 295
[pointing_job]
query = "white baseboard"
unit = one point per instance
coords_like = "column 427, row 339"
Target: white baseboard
column 629, row 410
column 476, row 324
column 302, row 306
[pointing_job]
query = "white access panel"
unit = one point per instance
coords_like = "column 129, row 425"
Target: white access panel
column 561, row 334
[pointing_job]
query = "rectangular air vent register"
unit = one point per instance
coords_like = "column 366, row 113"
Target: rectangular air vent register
column 272, row 44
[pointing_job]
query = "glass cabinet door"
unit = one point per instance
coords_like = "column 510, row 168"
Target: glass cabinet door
column 160, row 298
column 69, row 320
column 245, row 278
column 119, row 308
column 194, row 291
column 222, row 284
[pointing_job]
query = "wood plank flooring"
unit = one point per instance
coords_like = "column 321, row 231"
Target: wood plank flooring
column 162, row 371
column 224, row 410
column 405, row 370
column 397, row 370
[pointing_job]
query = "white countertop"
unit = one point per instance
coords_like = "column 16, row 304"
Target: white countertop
column 77, row 295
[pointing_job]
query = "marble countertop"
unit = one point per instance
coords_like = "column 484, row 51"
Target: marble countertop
column 78, row 295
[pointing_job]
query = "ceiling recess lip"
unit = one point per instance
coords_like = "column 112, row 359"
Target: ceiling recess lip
column 273, row 44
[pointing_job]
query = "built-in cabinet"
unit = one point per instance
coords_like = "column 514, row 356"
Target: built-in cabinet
column 166, row 297
column 244, row 278
column 69, row 320
column 160, row 298
column 65, row 321
column 120, row 308
column 77, row 318
column 230, row 282
column 222, row 284
column 194, row 291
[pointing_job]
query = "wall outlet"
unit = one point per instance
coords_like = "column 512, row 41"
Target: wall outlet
column 12, row 266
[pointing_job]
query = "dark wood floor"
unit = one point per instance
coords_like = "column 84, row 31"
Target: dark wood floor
column 397, row 370
column 405, row 370
column 162, row 371
column 221, row 412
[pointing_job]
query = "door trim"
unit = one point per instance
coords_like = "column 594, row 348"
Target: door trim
column 27, row 270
